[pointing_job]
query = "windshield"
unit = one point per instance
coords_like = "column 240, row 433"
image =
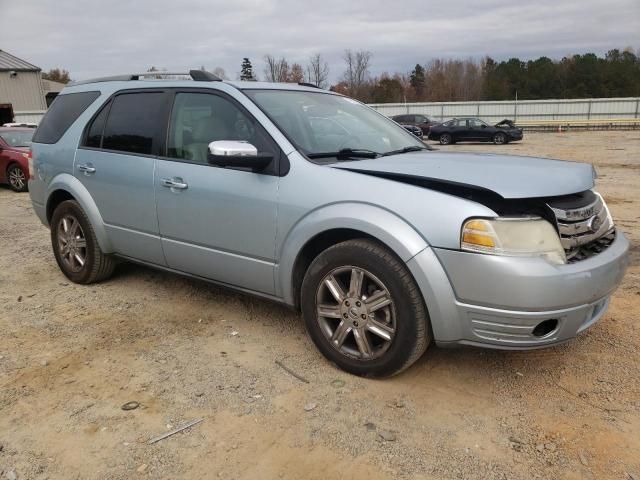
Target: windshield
column 17, row 138
column 320, row 124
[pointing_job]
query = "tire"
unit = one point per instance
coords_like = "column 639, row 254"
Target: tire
column 446, row 139
column 499, row 138
column 402, row 326
column 81, row 239
column 16, row 178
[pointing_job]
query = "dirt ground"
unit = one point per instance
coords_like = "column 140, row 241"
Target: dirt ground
column 71, row 356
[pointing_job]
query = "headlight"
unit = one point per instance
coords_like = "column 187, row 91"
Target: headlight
column 516, row 237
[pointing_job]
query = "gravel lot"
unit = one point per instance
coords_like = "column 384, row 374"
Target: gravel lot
column 70, row 356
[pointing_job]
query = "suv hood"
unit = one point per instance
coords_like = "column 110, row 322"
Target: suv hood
column 509, row 176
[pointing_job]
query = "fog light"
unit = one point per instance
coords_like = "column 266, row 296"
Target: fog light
column 545, row 328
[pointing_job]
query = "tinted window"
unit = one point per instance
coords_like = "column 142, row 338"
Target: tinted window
column 134, row 122
column 198, row 119
column 421, row 119
column 94, row 135
column 64, row 110
column 475, row 122
column 401, row 118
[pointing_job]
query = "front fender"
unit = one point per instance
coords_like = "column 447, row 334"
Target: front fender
column 73, row 186
column 372, row 220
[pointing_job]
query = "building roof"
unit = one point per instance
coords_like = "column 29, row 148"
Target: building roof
column 9, row 62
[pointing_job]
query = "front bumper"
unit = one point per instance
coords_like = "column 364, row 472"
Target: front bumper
column 498, row 302
column 515, row 135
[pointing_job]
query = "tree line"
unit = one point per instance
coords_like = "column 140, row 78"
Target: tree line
column 616, row 74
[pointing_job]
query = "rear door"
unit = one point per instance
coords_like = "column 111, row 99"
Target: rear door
column 461, row 130
column 116, row 163
column 217, row 223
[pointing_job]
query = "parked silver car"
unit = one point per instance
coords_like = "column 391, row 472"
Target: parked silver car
column 383, row 245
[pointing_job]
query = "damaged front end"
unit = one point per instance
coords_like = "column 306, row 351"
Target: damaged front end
column 506, row 123
column 582, row 220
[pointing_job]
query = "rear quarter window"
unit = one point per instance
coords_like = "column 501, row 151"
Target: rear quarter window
column 64, row 110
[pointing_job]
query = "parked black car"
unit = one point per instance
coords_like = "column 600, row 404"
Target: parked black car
column 419, row 120
column 475, row 130
column 417, row 131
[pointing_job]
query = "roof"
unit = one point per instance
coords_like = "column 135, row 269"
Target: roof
column 51, row 86
column 9, row 62
column 15, row 129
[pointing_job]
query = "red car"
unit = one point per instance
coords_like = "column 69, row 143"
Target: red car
column 14, row 157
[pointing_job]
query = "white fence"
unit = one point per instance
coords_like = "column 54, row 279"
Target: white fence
column 492, row 112
column 524, row 110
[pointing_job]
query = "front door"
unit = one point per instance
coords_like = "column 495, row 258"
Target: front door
column 461, row 130
column 215, row 222
column 115, row 163
column 477, row 129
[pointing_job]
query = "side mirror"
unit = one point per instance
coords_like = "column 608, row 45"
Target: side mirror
column 237, row 154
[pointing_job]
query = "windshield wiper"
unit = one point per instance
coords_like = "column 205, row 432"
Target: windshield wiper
column 346, row 154
column 413, row 148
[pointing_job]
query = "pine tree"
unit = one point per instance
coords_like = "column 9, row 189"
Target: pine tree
column 246, row 70
column 417, row 80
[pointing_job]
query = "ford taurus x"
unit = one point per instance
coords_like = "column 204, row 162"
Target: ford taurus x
column 385, row 247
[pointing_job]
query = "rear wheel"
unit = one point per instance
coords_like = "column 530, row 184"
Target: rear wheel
column 75, row 245
column 17, row 178
column 363, row 309
column 499, row 138
column 446, row 139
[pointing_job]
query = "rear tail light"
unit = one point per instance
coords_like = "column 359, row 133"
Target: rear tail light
column 31, row 169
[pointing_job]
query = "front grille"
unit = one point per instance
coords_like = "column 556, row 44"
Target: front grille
column 585, row 230
column 590, row 249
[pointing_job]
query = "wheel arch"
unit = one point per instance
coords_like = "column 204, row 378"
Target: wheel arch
column 67, row 187
column 333, row 224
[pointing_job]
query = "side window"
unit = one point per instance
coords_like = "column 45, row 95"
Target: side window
column 134, row 123
column 421, row 119
column 64, row 110
column 400, row 118
column 198, row 119
column 94, row 133
column 462, row 122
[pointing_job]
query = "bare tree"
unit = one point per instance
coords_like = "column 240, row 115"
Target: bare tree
column 296, row 74
column 317, row 71
column 357, row 70
column 276, row 69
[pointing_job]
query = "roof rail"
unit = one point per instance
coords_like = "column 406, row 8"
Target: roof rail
column 196, row 76
column 305, row 84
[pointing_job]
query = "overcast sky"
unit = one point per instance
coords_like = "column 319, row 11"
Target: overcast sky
column 91, row 38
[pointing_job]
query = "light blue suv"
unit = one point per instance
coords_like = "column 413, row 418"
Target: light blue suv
column 312, row 199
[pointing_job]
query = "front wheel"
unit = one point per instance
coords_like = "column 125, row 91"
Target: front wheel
column 363, row 309
column 17, row 178
column 499, row 138
column 75, row 245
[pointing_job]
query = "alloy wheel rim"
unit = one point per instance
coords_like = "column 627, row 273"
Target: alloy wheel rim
column 500, row 139
column 356, row 313
column 72, row 243
column 444, row 140
column 17, row 178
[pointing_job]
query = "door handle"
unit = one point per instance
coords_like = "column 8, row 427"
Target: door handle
column 174, row 183
column 86, row 168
